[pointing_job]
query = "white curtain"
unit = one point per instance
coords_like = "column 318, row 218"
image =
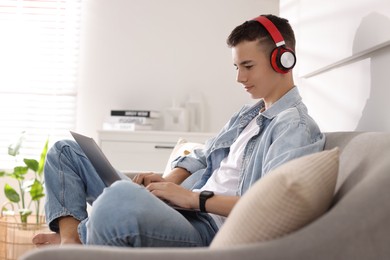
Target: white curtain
column 39, row 58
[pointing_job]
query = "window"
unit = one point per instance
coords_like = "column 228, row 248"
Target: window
column 39, row 58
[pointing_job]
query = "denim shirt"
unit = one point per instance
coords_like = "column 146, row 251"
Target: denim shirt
column 286, row 131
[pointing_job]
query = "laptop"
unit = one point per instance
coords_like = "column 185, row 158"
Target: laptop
column 103, row 167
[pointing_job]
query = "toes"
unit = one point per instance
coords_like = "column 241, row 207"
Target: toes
column 44, row 239
column 38, row 239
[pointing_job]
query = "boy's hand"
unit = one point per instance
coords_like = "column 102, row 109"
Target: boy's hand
column 174, row 194
column 147, row 178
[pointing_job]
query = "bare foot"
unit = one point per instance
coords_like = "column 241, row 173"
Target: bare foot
column 45, row 239
column 69, row 235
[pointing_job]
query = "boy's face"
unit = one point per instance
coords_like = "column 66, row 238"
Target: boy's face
column 254, row 71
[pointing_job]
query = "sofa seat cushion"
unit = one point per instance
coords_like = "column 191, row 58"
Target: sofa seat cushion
column 286, row 199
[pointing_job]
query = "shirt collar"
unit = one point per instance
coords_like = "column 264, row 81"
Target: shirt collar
column 288, row 100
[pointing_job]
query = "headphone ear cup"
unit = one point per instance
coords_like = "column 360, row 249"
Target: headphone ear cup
column 275, row 61
column 282, row 59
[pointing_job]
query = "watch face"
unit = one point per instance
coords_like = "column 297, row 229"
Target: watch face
column 207, row 194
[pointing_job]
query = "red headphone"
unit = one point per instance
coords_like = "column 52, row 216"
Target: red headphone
column 282, row 58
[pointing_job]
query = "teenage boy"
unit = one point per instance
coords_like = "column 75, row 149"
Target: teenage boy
column 256, row 140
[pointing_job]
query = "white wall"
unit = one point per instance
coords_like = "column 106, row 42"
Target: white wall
column 141, row 54
column 343, row 50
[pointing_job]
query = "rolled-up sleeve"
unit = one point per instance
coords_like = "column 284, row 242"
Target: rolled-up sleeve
column 192, row 162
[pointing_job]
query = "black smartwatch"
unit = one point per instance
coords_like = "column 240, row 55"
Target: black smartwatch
column 203, row 196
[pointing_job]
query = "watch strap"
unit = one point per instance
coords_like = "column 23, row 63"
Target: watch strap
column 203, row 197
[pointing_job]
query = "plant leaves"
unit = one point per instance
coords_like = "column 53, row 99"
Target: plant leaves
column 43, row 157
column 19, row 172
column 32, row 164
column 11, row 194
column 2, row 173
column 13, row 149
column 36, row 191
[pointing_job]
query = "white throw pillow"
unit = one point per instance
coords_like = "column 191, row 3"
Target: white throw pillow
column 286, row 199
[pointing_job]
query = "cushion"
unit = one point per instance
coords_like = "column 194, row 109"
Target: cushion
column 286, row 199
column 181, row 148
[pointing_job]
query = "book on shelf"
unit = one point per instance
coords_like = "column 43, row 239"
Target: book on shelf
column 131, row 120
column 128, row 126
column 136, row 113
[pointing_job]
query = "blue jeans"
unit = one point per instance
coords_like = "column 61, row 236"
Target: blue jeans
column 124, row 214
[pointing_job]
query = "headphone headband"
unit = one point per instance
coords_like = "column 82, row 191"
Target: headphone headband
column 272, row 30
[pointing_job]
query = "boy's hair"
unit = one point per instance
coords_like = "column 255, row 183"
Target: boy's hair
column 253, row 30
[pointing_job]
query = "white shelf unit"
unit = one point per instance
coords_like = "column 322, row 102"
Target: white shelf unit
column 348, row 60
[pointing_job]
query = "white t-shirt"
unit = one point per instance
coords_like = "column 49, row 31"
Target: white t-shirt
column 225, row 179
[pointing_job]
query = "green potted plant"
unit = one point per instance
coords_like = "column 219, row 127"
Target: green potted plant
column 17, row 227
column 34, row 186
